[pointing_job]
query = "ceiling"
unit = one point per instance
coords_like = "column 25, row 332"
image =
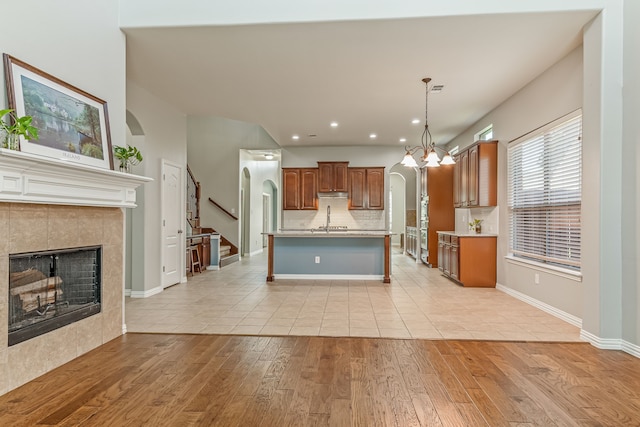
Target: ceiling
column 294, row 79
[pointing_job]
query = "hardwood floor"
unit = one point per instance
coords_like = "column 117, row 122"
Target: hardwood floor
column 180, row 380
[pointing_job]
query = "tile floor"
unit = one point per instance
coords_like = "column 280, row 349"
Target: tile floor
column 419, row 303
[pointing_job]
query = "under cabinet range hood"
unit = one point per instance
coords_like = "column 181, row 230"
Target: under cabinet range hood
column 333, row 194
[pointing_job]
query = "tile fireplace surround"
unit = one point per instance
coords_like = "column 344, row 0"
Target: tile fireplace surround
column 74, row 206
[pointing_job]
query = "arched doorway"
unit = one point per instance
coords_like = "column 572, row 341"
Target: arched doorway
column 269, row 209
column 398, row 208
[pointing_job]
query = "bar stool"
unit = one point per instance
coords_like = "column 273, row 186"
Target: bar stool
column 195, row 259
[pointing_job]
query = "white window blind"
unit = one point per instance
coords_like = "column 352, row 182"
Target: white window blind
column 544, row 194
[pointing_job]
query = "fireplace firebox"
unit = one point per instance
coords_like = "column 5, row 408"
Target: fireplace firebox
column 51, row 289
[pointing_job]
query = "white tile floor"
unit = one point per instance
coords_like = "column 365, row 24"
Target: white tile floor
column 419, row 303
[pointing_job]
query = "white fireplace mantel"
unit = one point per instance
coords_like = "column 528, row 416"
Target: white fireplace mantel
column 30, row 178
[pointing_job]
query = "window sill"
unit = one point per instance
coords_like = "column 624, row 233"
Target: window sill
column 556, row 271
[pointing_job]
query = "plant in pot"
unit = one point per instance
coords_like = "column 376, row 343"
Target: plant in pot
column 475, row 225
column 128, row 156
column 10, row 133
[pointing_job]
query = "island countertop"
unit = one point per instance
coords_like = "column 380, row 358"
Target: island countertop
column 468, row 234
column 331, row 233
column 333, row 255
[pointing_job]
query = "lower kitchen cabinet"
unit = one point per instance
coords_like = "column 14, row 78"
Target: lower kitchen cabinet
column 468, row 259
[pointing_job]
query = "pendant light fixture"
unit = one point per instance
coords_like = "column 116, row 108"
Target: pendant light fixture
column 427, row 145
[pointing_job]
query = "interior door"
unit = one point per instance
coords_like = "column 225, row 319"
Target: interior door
column 172, row 225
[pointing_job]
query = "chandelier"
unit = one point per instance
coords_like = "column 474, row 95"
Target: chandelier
column 427, row 146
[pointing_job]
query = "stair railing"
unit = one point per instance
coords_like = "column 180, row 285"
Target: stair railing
column 223, row 209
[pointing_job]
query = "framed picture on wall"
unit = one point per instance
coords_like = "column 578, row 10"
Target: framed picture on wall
column 72, row 124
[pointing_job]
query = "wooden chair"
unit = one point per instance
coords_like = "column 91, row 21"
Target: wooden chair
column 194, row 259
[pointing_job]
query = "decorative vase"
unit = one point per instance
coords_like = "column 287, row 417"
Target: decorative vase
column 125, row 166
column 11, row 141
column 478, row 228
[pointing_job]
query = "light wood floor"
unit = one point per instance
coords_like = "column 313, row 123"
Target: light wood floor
column 181, row 380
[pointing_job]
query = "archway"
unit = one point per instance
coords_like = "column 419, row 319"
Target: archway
column 398, row 209
column 269, row 209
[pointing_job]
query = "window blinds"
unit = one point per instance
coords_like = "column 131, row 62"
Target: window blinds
column 544, row 195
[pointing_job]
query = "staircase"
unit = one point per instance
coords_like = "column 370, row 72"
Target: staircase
column 228, row 251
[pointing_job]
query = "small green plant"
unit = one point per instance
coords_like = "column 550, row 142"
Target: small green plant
column 19, row 126
column 128, row 156
column 475, row 225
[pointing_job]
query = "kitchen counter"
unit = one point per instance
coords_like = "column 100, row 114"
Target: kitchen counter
column 467, row 234
column 315, row 232
column 329, row 255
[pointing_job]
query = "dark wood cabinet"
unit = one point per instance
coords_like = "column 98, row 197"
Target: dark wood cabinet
column 300, row 188
column 476, row 176
column 357, row 182
column 332, row 176
column 468, row 260
column 205, row 255
column 375, row 188
column 472, row 177
column 366, row 188
column 454, row 259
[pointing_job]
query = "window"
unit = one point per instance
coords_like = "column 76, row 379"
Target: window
column 544, row 194
column 485, row 134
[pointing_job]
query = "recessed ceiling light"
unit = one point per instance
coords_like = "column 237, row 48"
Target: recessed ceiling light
column 296, row 137
column 334, row 124
column 373, row 136
column 415, row 121
column 403, row 139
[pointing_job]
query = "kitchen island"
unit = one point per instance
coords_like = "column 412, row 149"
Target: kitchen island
column 314, row 254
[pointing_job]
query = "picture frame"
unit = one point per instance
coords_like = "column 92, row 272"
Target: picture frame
column 72, row 124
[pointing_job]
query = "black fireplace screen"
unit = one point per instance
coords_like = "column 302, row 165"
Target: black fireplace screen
column 51, row 289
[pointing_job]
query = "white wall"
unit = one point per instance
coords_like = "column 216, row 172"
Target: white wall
column 398, row 189
column 214, row 158
column 553, row 94
column 88, row 53
column 631, row 165
column 165, row 137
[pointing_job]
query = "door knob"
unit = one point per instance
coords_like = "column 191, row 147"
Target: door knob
column 179, row 231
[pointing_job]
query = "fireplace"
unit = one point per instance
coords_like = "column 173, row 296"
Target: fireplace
column 51, row 289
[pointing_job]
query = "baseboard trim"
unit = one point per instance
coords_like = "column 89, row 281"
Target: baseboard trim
column 631, row 348
column 212, row 267
column 146, row 294
column 328, row 276
column 569, row 318
column 258, row 252
column 610, row 343
column 127, row 292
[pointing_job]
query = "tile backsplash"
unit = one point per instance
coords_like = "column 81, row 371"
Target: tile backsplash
column 489, row 217
column 340, row 216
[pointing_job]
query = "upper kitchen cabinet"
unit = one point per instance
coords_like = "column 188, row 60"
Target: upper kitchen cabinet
column 475, row 177
column 300, row 188
column 332, row 177
column 366, row 188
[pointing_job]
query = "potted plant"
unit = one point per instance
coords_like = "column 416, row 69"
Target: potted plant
column 475, row 225
column 128, row 156
column 19, row 126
